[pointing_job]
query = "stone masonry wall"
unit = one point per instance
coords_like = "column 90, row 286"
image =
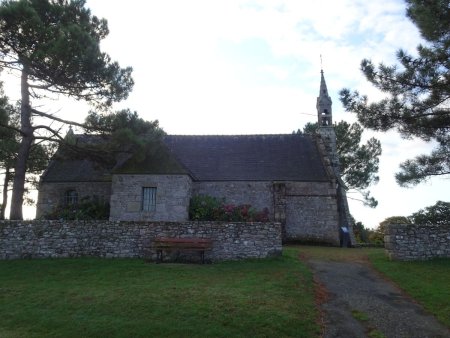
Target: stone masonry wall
column 307, row 210
column 173, row 193
column 312, row 212
column 58, row 239
column 417, row 242
column 326, row 144
column 313, row 219
column 51, row 194
column 256, row 193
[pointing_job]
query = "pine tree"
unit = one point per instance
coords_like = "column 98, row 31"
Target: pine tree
column 9, row 146
column 359, row 163
column 55, row 47
column 418, row 93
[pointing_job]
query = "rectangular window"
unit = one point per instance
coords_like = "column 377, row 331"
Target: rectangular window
column 148, row 199
column 71, row 197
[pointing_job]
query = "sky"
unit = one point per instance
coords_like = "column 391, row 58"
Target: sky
column 253, row 67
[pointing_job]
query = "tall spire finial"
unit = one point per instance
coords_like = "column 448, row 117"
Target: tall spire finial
column 321, row 65
column 324, row 103
column 70, row 136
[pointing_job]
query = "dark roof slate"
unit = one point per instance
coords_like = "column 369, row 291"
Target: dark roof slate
column 249, row 157
column 288, row 157
column 79, row 170
column 64, row 168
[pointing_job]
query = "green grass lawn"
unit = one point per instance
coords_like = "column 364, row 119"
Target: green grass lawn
column 131, row 298
column 428, row 282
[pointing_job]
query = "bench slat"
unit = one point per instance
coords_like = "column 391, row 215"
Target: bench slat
column 182, row 240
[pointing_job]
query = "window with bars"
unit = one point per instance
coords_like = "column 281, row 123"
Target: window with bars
column 71, row 197
column 148, row 199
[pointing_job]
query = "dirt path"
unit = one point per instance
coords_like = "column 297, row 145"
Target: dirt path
column 358, row 302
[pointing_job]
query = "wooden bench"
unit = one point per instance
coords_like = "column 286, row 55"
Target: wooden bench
column 181, row 244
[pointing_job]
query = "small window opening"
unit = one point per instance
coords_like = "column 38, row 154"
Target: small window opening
column 148, row 199
column 71, row 197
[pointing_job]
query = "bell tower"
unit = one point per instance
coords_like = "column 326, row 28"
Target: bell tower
column 327, row 135
column 325, row 123
column 323, row 104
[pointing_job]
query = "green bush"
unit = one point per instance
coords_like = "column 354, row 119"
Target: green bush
column 87, row 209
column 377, row 236
column 204, row 208
column 438, row 214
column 208, row 208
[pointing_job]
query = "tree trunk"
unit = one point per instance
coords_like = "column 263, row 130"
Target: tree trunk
column 5, row 192
column 24, row 149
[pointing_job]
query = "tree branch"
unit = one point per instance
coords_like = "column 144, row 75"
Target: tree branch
column 54, row 132
column 9, row 62
column 7, row 126
column 36, row 112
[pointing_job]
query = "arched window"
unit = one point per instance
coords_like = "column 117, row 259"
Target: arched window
column 71, row 197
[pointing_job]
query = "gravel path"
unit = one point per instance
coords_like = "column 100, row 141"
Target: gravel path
column 360, row 303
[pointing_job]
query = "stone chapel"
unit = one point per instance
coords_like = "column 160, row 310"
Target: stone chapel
column 296, row 177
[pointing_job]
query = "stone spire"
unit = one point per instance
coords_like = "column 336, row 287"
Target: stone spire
column 323, row 104
column 328, row 138
column 325, row 124
column 70, row 136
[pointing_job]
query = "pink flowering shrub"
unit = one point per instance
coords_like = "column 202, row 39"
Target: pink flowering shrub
column 208, row 208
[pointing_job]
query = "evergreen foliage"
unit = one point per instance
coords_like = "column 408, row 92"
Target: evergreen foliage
column 418, row 93
column 54, row 45
column 359, row 163
column 438, row 214
column 87, row 209
column 126, row 133
column 9, row 146
column 377, row 236
column 361, row 233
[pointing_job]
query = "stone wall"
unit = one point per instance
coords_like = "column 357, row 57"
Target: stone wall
column 58, row 239
column 257, row 193
column 417, row 242
column 312, row 212
column 51, row 194
column 312, row 219
column 326, row 144
column 307, row 210
column 173, row 193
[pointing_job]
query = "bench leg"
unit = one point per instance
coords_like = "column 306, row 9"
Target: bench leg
column 159, row 256
column 202, row 255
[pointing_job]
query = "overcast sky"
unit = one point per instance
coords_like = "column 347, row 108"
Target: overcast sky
column 253, row 67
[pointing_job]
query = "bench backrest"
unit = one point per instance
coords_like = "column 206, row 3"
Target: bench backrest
column 201, row 243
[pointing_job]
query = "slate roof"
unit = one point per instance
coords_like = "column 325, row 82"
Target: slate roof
column 80, row 170
column 249, row 157
column 65, row 169
column 287, row 157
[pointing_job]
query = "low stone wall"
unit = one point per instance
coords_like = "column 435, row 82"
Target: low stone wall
column 57, row 239
column 417, row 242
